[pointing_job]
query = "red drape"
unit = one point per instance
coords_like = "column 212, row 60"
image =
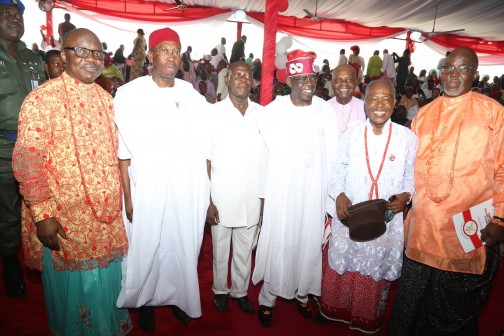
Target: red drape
column 137, row 10
column 333, row 30
column 476, row 44
column 153, row 11
column 269, row 45
column 49, row 27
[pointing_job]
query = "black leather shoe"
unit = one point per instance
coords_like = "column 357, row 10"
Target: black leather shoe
column 304, row 309
column 14, row 285
column 320, row 319
column 220, row 302
column 13, row 276
column 265, row 315
column 146, row 319
column 245, row 304
column 180, row 314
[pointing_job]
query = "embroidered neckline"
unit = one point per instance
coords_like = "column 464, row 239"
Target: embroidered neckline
column 455, row 150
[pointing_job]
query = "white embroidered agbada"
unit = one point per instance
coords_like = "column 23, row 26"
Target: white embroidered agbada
column 162, row 132
column 302, row 143
column 380, row 258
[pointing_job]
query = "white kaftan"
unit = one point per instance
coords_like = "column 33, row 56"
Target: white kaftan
column 380, row 258
column 235, row 152
column 302, row 144
column 162, row 132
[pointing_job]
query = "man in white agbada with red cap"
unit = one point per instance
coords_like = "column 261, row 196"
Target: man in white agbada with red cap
column 162, row 158
column 301, row 135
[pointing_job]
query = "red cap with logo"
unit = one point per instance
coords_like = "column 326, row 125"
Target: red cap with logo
column 300, row 63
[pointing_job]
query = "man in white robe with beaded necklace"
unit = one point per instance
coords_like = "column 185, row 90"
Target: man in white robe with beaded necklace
column 299, row 132
column 349, row 109
column 375, row 161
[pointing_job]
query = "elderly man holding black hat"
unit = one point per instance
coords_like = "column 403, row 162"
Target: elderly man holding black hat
column 21, row 70
column 375, row 165
column 162, row 153
column 301, row 133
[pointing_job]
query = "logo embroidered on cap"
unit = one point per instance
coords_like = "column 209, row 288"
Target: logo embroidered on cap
column 295, row 68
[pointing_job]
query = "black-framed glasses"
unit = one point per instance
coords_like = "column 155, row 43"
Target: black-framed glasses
column 305, row 79
column 462, row 69
column 346, row 80
column 84, row 52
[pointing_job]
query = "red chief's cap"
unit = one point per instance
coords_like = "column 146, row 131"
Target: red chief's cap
column 300, row 63
column 162, row 35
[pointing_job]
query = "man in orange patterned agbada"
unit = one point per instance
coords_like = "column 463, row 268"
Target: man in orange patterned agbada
column 65, row 160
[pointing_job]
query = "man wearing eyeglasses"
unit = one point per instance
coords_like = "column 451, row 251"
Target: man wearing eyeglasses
column 21, row 70
column 448, row 267
column 299, row 131
column 66, row 164
column 162, row 156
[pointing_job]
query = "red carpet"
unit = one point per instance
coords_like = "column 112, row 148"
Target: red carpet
column 27, row 316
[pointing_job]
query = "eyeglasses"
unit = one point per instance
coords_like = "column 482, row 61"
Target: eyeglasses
column 238, row 75
column 84, row 52
column 6, row 14
column 164, row 52
column 305, row 79
column 346, row 80
column 462, row 69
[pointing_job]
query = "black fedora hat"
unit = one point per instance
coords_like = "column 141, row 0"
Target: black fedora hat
column 367, row 220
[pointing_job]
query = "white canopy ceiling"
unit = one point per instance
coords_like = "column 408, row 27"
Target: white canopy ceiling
column 479, row 18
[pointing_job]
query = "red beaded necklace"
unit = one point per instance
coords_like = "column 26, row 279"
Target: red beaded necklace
column 374, row 184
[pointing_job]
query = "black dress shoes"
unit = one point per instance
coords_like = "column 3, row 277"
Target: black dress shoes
column 14, row 285
column 13, row 276
column 220, row 302
column 304, row 309
column 320, row 319
column 245, row 304
column 265, row 315
column 146, row 319
column 180, row 314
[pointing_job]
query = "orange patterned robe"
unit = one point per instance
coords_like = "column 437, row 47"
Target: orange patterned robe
column 65, row 160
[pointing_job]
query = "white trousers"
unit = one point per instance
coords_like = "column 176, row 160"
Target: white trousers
column 266, row 298
column 241, row 262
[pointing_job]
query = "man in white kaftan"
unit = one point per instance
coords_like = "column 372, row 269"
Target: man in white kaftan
column 235, row 174
column 163, row 165
column 299, row 131
column 388, row 67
